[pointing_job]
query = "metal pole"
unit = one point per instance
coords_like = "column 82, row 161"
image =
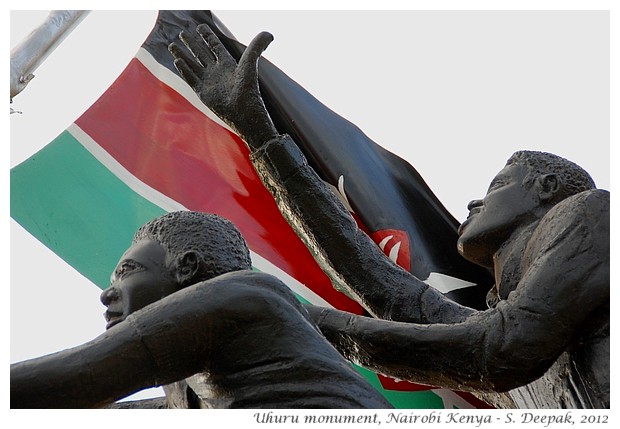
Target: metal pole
column 35, row 48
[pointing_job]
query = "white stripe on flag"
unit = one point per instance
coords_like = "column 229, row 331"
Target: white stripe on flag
column 264, row 265
column 108, row 161
column 451, row 400
column 444, row 283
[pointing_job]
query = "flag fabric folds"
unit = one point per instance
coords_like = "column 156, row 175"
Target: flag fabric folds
column 149, row 146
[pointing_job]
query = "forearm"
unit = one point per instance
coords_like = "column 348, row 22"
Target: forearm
column 473, row 355
column 436, row 355
column 108, row 368
column 348, row 256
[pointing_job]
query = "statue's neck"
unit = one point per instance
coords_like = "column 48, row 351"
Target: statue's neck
column 507, row 260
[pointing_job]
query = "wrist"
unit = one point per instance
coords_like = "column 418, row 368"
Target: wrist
column 258, row 139
column 279, row 158
column 257, row 128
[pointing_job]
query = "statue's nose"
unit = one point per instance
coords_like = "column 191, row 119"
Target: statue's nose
column 109, row 295
column 473, row 204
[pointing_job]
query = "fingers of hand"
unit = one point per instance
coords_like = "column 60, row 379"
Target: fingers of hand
column 186, row 64
column 186, row 72
column 215, row 45
column 196, row 46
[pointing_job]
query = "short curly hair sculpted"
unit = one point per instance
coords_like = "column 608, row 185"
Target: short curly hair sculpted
column 217, row 241
column 573, row 178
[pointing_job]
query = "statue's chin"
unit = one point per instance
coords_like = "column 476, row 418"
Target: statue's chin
column 474, row 251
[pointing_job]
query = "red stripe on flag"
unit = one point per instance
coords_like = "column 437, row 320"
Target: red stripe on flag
column 473, row 401
column 389, row 383
column 173, row 147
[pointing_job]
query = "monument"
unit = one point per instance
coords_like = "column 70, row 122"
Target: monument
column 543, row 228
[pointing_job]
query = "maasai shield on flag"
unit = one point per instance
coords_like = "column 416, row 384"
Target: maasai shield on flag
column 122, row 163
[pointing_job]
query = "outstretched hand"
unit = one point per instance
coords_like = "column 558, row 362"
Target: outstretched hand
column 229, row 89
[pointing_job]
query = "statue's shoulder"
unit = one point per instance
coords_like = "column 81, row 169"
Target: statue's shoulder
column 250, row 283
column 575, row 224
column 254, row 277
column 591, row 199
column 587, row 207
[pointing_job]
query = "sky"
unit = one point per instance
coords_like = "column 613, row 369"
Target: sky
column 455, row 93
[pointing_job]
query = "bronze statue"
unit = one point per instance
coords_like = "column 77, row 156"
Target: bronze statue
column 186, row 310
column 542, row 228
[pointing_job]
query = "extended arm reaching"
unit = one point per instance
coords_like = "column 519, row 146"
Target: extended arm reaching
column 563, row 295
column 164, row 342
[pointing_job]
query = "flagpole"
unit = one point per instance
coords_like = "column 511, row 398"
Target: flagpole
column 30, row 53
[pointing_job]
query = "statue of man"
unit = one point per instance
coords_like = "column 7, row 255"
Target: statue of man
column 186, row 310
column 542, row 228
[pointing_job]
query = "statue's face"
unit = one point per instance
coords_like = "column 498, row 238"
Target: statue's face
column 507, row 205
column 141, row 277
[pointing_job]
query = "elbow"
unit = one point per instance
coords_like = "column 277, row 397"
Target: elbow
column 514, row 351
column 510, row 365
column 502, row 378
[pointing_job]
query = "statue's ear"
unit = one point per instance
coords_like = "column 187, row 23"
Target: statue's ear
column 187, row 267
column 549, row 185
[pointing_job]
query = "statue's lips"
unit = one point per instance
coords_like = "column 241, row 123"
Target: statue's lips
column 472, row 213
column 112, row 317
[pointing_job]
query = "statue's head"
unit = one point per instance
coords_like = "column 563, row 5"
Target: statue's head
column 528, row 186
column 169, row 253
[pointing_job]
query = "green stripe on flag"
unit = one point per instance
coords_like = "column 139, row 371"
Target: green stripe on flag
column 75, row 206
column 421, row 399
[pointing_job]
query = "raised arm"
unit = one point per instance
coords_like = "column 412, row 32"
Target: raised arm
column 355, row 265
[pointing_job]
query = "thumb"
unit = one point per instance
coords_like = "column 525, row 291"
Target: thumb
column 257, row 46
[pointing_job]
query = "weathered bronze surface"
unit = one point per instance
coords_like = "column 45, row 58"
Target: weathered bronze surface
column 220, row 335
